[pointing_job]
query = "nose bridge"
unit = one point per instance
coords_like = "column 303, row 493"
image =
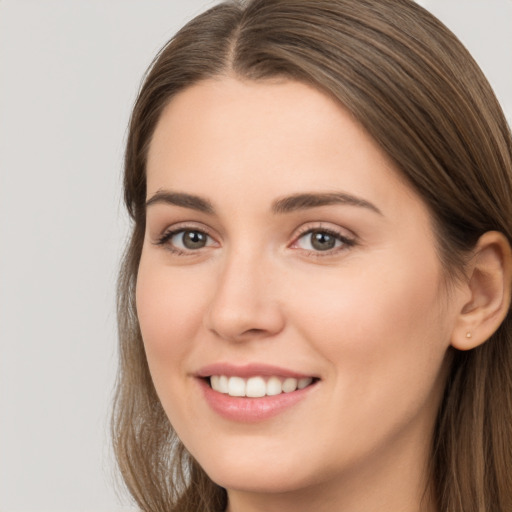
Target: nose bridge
column 244, row 303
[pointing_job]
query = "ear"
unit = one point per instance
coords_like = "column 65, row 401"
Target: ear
column 489, row 284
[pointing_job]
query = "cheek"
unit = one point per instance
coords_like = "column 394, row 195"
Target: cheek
column 379, row 325
column 169, row 312
column 383, row 336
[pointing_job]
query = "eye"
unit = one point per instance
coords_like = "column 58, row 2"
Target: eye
column 185, row 240
column 189, row 239
column 322, row 240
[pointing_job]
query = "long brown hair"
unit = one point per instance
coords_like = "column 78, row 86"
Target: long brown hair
column 417, row 91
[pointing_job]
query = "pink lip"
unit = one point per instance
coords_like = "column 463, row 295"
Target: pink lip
column 248, row 370
column 250, row 410
column 244, row 409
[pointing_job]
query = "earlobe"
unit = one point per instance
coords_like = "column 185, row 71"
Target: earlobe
column 489, row 283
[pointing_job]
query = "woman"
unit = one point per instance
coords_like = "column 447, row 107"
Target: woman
column 314, row 305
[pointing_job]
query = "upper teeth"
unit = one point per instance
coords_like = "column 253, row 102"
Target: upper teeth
column 255, row 387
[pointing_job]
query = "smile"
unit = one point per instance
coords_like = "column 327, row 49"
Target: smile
column 257, row 387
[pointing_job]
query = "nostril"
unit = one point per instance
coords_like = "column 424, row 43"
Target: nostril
column 254, row 331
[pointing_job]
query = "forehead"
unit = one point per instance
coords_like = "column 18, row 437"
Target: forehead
column 231, row 116
column 266, row 139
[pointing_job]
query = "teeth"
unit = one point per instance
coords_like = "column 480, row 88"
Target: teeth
column 256, row 387
column 289, row 385
column 236, row 386
column 223, row 384
column 304, row 383
column 274, row 386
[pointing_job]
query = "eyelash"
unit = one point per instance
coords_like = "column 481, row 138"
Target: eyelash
column 168, row 235
column 346, row 242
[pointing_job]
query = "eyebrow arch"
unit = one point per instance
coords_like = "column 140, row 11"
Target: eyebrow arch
column 181, row 199
column 314, row 200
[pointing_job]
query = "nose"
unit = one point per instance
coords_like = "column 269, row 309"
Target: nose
column 245, row 305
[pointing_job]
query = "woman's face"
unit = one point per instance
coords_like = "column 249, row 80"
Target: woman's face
column 285, row 257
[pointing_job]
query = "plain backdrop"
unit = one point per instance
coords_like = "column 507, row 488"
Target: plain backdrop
column 69, row 73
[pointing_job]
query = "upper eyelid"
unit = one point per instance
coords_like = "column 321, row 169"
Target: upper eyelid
column 186, row 226
column 164, row 241
column 163, row 237
column 347, row 240
column 321, row 226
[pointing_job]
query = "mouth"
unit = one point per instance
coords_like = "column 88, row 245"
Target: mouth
column 257, row 386
column 253, row 392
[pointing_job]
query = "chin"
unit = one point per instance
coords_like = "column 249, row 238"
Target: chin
column 258, row 481
column 261, row 473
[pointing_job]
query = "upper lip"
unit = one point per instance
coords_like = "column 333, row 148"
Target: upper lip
column 248, row 370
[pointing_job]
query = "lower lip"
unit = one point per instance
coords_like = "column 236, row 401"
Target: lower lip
column 250, row 410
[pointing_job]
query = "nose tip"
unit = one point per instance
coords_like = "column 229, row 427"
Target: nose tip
column 244, row 307
column 242, row 324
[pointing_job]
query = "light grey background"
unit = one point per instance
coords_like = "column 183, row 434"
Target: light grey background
column 69, row 73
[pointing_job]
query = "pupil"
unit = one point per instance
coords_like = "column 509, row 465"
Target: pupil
column 322, row 241
column 194, row 240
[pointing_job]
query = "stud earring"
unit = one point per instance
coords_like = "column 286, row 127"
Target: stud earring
column 468, row 335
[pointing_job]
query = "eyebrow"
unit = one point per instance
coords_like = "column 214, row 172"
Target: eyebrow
column 314, row 200
column 181, row 199
column 287, row 204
